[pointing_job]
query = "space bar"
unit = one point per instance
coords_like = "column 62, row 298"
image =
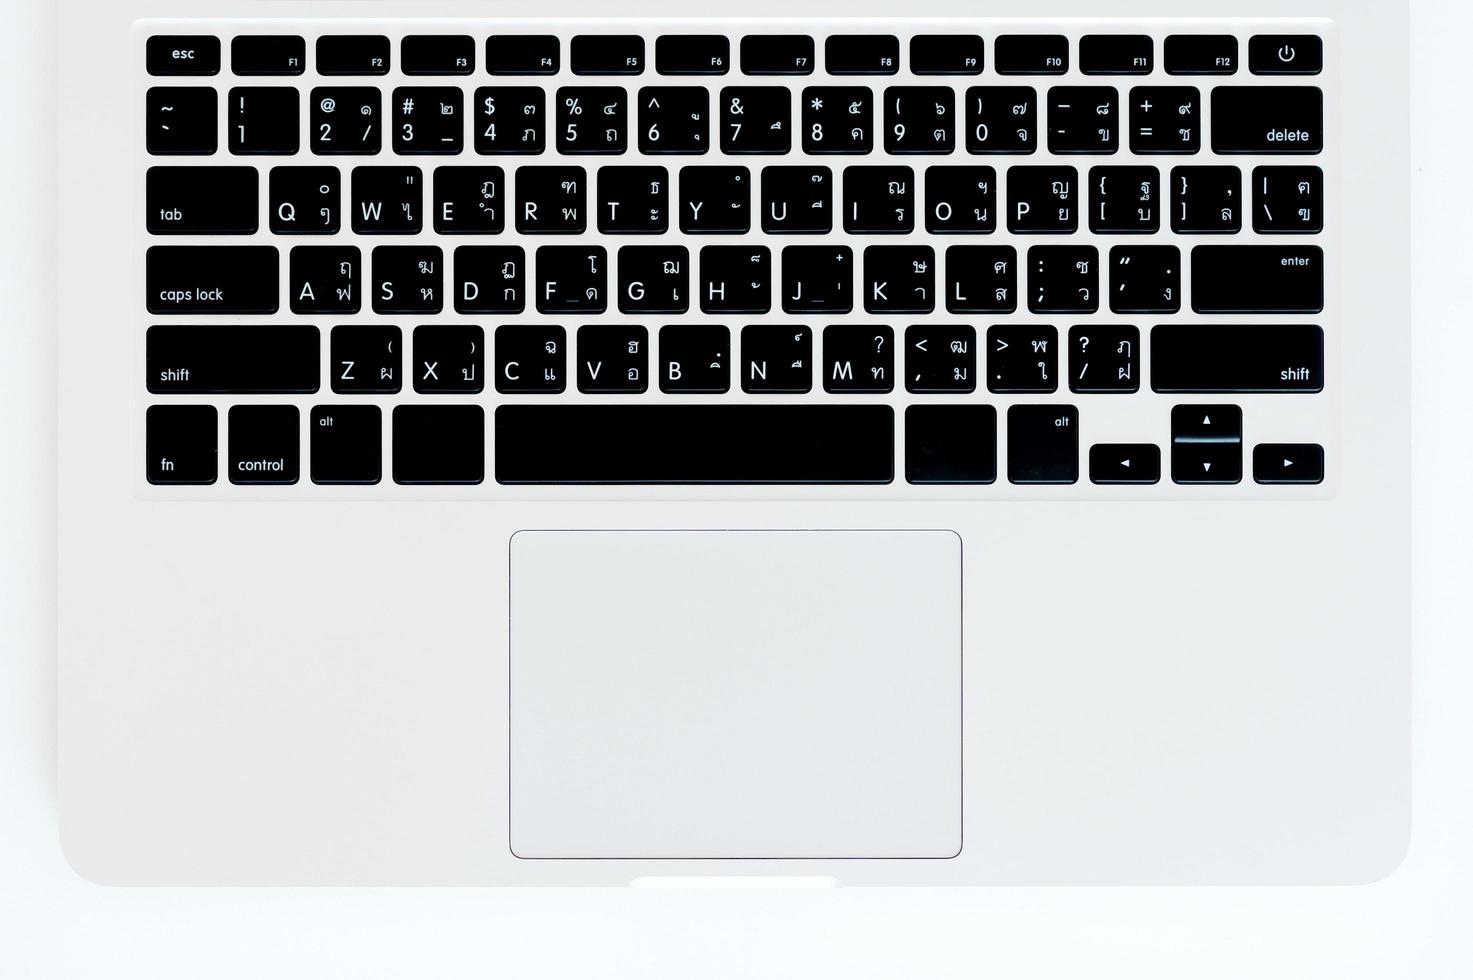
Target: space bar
column 694, row 444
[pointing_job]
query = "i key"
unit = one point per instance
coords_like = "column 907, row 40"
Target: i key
column 1125, row 200
column 531, row 359
column 899, row 279
column 633, row 200
column 449, row 359
column 858, row 360
column 1104, row 359
column 1022, row 359
column 510, row 120
column 777, row 359
column 736, row 279
column 263, row 120
column 879, row 200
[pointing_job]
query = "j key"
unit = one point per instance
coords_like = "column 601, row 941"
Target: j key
column 1206, row 200
column 324, row 279
column 1104, row 359
column 1002, row 120
column 345, row 120
column 607, row 54
column 951, row 444
column 346, row 444
column 899, row 279
column 1043, row 444
column 490, row 279
column 591, row 120
column 858, row 360
column 469, row 200
column 654, row 279
column 1285, row 54
column 736, row 279
column 613, row 360
column 1130, row 464
column 981, row 279
column 695, row 359
column 201, row 200
column 1288, row 200
column 777, row 54
column 1267, row 119
column 756, row 120
column 1201, row 54
column 818, row 279
column 879, row 200
column 1124, row 200
column 427, row 120
column 522, row 54
column 181, row 444
column 510, row 120
column 633, row 200
column 449, row 359
column 961, row 200
column 920, row 120
column 838, row 119
column 1022, row 359
column 946, row 54
column 1031, row 54
column 183, row 54
column 1043, row 200
column 408, row 279
column 1258, row 279
column 531, row 360
column 862, row 54
column 437, row 54
column 550, row 200
column 777, row 359
column 797, row 200
column 387, row 200
column 366, row 359
column 181, row 121
column 572, row 279
column 692, row 54
column 1063, row 279
column 262, row 120
column 360, row 54
column 256, row 359
column 268, row 54
column 1116, row 54
column 304, row 200
column 1278, row 464
column 674, row 120
column 1165, row 119
column 220, row 279
column 444, row 444
column 1083, row 119
column 940, row 360
column 265, row 445
column 1145, row 279
column 1207, row 444
column 715, row 200
column 1213, row 358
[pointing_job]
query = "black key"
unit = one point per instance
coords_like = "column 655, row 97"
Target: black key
column 692, row 54
column 490, row 279
column 608, row 54
column 946, row 54
column 1022, row 359
column 879, row 200
column 961, row 200
column 633, row 200
column 1288, row 200
column 1286, row 54
column 920, row 120
column 450, row 359
column 1145, row 279
column 777, row 359
column 1125, row 200
column 695, row 359
column 531, row 359
column 366, row 359
column 522, row 54
column 591, row 119
column 1258, row 279
column 347, row 444
column 674, row 120
column 1267, row 119
column 510, row 120
column 216, row 279
column 756, row 120
column 858, row 360
column 1201, row 54
column 797, row 200
column 1042, row 200
column 572, row 279
column 427, row 120
column 818, row 279
column 695, row 444
column 324, row 279
column 345, row 120
column 439, row 444
column 1031, row 54
column 613, row 360
column 469, row 200
column 736, row 279
column 407, row 279
column 550, row 200
column 951, row 444
column 1043, row 444
column 715, row 200
column 777, row 54
column 838, row 119
column 183, row 54
column 181, row 121
column 1063, row 279
column 1130, row 464
column 353, row 54
column 654, row 279
column 1116, row 54
column 1083, row 119
column 182, row 444
column 257, row 359
column 1207, row 444
column 437, row 54
column 1165, row 119
column 201, row 200
column 304, row 201
column 268, row 54
column 861, row 54
column 1104, row 359
column 262, row 120
column 1295, row 464
column 265, row 445
column 1211, row 358
column 981, row 279
column 940, row 360
column 1002, row 119
column 387, row 200
column 1206, row 200
column 899, row 279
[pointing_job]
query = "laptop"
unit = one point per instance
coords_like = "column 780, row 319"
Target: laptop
column 822, row 442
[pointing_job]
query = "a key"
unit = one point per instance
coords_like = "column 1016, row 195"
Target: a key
column 201, row 200
column 756, row 119
column 233, row 359
column 1116, row 54
column 181, row 444
column 439, row 444
column 181, row 120
column 818, row 279
column 304, row 201
column 550, row 200
column 352, row 54
column 264, row 445
column 838, row 119
column 365, row 359
column 1201, row 54
column 1285, row 54
column 1258, row 279
column 961, row 200
column 1293, row 464
column 450, row 359
column 879, row 200
column 613, row 359
column 324, row 279
column 469, row 200
column 981, row 279
column 692, row 54
column 1206, row 200
column 591, row 119
column 344, row 120
column 1207, row 444
column 407, row 279
column 861, row 54
column 387, row 200
column 1145, row 279
column 427, row 120
column 1043, row 445
column 1002, row 119
column 951, row 445
column 920, row 119
column 946, row 54
column 183, row 54
column 1031, row 54
column 736, row 279
column 940, row 360
column 1124, row 200
column 572, row 279
column 268, row 54
column 1127, row 464
column 1104, row 359
column 1165, row 119
column 633, row 200
column 1063, row 279
column 1043, row 200
column 531, row 359
column 1288, row 200
column 490, row 279
column 674, row 120
column 522, row 54
column 797, row 200
column 1213, row 358
column 510, row 120
column 607, row 54
column 1022, row 359
column 695, row 359
column 858, row 360
column 346, row 445
column 1267, row 119
column 899, row 279
column 216, row 279
column 437, row 54
column 1083, row 119
column 715, row 200
column 654, row 279
column 777, row 359
column 262, row 121
column 777, row 54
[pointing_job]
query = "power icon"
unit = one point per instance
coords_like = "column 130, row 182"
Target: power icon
column 1286, row 54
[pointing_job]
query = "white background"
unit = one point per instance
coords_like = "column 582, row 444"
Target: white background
column 1417, row 924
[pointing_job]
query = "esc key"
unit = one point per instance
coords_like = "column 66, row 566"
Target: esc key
column 183, row 54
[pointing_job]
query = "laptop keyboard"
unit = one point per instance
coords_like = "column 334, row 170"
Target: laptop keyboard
column 890, row 254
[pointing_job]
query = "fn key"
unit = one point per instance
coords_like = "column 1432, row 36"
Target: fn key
column 181, row 445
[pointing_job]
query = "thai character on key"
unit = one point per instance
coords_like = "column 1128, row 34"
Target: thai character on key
column 1304, row 187
column 998, row 268
column 1001, row 295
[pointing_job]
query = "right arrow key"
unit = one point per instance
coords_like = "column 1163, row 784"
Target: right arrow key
column 1277, row 464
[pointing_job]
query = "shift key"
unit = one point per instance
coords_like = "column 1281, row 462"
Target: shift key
column 1258, row 279
column 222, row 279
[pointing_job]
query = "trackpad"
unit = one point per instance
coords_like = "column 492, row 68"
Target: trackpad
column 736, row 694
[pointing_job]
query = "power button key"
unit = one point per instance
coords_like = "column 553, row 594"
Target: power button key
column 1286, row 54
